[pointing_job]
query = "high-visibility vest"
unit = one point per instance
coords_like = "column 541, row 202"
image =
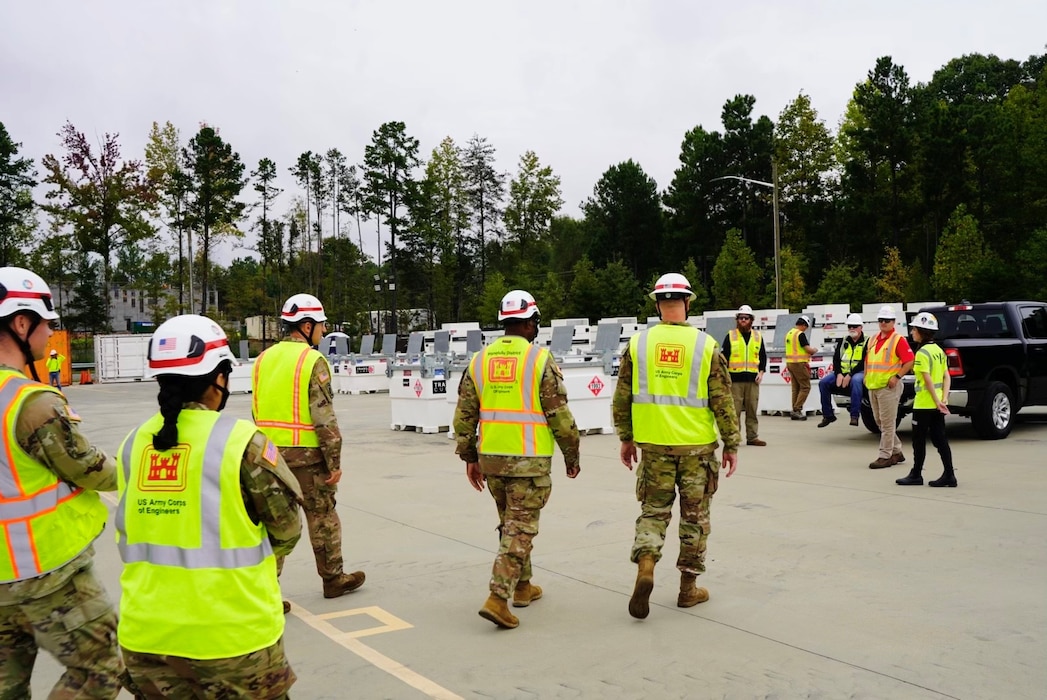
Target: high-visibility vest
column 280, row 397
column 54, row 364
column 745, row 357
column 44, row 522
column 507, row 375
column 881, row 364
column 931, row 359
column 794, row 352
column 671, row 366
column 850, row 356
column 199, row 578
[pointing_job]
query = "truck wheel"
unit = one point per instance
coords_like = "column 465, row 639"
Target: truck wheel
column 994, row 417
column 869, row 420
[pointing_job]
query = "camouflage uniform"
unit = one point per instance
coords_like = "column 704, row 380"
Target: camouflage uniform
column 65, row 611
column 520, row 486
column 693, row 469
column 312, row 466
column 271, row 497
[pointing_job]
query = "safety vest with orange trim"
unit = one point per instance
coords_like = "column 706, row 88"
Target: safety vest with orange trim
column 794, row 352
column 507, row 375
column 280, row 394
column 745, row 357
column 882, row 364
column 44, row 521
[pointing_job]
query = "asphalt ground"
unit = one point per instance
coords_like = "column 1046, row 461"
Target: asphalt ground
column 826, row 578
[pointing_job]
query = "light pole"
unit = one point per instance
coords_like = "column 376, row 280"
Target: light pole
column 389, row 286
column 777, row 233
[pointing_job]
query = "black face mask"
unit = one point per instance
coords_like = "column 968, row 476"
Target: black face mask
column 223, row 391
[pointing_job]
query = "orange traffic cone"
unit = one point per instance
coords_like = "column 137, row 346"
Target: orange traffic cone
column 85, row 377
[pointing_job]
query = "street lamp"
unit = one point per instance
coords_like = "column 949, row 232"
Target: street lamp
column 777, row 233
column 389, row 286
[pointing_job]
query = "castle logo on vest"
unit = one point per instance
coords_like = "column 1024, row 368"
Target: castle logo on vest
column 502, row 369
column 668, row 355
column 164, row 471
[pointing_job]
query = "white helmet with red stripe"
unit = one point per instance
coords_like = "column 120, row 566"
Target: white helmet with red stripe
column 189, row 346
column 302, row 307
column 517, row 305
column 22, row 290
column 672, row 286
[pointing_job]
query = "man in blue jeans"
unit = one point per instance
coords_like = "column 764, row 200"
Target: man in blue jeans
column 849, row 363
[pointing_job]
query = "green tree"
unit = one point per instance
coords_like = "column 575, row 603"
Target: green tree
column 1033, row 269
column 584, row 300
column 701, row 294
column 270, row 245
column 166, row 175
column 844, row 283
column 104, row 198
column 794, row 274
column 736, row 276
column 624, row 215
column 485, row 187
column 619, row 291
column 16, row 201
column 88, row 307
column 893, row 280
column 491, row 298
column 695, row 199
column 216, row 180
column 552, row 296
column 958, row 258
column 307, row 174
column 534, row 198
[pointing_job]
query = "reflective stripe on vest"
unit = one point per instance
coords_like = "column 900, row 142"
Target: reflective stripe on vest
column 512, row 421
column 745, row 357
column 881, row 364
column 40, row 527
column 280, row 397
column 850, row 356
column 793, row 351
column 210, row 554
column 935, row 358
column 670, row 394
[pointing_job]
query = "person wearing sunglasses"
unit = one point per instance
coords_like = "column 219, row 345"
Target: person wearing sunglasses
column 888, row 358
column 50, row 515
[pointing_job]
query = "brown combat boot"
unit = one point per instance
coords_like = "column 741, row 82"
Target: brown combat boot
column 287, row 606
column 525, row 594
column 496, row 610
column 342, row 584
column 639, row 604
column 690, row 595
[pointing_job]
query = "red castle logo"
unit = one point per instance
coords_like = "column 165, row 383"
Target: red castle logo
column 668, row 355
column 164, row 471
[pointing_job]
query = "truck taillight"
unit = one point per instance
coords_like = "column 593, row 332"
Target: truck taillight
column 955, row 364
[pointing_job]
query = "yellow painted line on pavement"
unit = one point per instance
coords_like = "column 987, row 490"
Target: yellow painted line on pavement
column 350, row 640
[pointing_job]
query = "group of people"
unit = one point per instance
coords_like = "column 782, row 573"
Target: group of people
column 208, row 509
column 673, row 394
column 876, row 364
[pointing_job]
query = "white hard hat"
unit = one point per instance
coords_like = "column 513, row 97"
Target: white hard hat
column 188, row 346
column 926, row 321
column 518, row 305
column 303, row 307
column 744, row 310
column 854, row 320
column 54, row 352
column 671, row 286
column 886, row 312
column 23, row 290
column 805, row 320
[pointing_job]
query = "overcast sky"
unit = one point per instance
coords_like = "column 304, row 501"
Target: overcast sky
column 583, row 84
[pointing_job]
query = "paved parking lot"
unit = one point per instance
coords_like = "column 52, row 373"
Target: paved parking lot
column 826, row 579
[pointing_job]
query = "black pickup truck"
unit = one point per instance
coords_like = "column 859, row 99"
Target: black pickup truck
column 997, row 355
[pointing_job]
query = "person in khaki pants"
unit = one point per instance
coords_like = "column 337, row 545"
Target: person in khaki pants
column 746, row 362
column 888, row 358
column 798, row 351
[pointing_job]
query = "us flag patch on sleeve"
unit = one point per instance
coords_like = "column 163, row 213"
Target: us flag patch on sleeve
column 324, row 376
column 270, row 453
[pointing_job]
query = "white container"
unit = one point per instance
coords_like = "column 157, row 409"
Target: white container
column 240, row 378
column 420, row 403
column 589, row 390
column 776, row 387
column 121, row 358
column 360, row 376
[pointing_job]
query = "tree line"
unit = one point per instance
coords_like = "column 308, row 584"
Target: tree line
column 924, row 191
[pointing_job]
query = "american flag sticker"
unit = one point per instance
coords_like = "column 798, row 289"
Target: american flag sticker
column 270, row 454
column 167, row 344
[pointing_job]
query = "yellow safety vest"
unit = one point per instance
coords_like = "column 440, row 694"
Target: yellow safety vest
column 44, row 522
column 507, row 375
column 850, row 356
column 931, row 359
column 793, row 351
column 671, row 366
column 745, row 357
column 199, row 577
column 54, row 364
column 280, row 397
column 881, row 365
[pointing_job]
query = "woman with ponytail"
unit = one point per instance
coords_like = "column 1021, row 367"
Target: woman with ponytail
column 206, row 506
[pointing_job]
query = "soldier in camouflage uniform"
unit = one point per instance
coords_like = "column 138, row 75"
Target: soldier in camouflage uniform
column 64, row 610
column 518, row 478
column 650, row 402
column 315, row 461
column 167, row 655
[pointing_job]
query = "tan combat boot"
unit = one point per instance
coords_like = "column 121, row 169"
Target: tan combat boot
column 343, row 583
column 690, row 595
column 525, row 594
column 639, row 604
column 496, row 610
